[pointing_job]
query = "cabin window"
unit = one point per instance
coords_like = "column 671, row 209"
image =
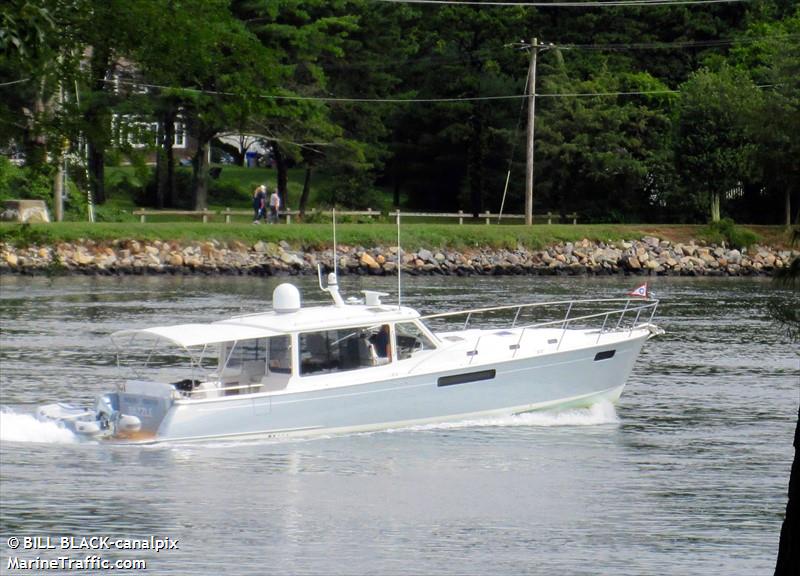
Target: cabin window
column 280, row 355
column 241, row 352
column 244, row 364
column 411, row 340
column 344, row 349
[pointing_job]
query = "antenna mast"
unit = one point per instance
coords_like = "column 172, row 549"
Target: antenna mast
column 335, row 271
column 399, row 262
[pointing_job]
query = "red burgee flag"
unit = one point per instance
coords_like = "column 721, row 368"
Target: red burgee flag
column 641, row 291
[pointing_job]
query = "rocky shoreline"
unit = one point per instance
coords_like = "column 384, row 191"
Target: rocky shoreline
column 648, row 256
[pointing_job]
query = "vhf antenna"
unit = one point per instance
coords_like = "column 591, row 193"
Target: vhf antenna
column 399, row 262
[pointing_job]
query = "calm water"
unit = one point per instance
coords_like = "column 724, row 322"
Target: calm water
column 688, row 475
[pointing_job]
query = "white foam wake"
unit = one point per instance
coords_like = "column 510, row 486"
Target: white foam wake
column 16, row 427
column 600, row 413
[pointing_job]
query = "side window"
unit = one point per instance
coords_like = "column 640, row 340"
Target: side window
column 280, row 355
column 410, row 340
column 242, row 351
column 344, row 349
column 315, row 352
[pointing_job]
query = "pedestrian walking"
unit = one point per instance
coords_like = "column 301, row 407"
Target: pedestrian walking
column 274, row 206
column 259, row 202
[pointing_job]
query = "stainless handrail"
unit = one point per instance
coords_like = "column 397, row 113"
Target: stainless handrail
column 631, row 305
column 645, row 302
column 603, row 327
column 642, row 304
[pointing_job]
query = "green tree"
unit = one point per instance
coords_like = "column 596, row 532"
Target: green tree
column 211, row 72
column 369, row 65
column 599, row 155
column 298, row 38
column 771, row 55
column 714, row 147
column 40, row 55
column 105, row 34
column 452, row 155
column 29, row 64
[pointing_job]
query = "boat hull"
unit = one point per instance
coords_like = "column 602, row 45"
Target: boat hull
column 558, row 380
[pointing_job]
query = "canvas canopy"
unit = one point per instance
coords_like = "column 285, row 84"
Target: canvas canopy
column 188, row 335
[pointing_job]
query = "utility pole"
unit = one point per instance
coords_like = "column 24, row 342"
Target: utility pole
column 531, row 121
column 535, row 48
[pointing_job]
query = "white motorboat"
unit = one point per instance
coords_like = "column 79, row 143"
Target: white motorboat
column 362, row 365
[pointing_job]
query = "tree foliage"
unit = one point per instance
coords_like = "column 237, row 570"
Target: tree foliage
column 415, row 99
column 715, row 151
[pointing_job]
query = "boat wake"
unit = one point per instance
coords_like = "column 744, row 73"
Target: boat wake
column 20, row 427
column 597, row 414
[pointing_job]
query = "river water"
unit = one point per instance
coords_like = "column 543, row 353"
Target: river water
column 686, row 475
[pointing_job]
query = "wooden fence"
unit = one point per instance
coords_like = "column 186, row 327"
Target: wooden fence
column 287, row 215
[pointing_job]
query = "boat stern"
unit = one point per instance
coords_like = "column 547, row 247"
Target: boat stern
column 134, row 413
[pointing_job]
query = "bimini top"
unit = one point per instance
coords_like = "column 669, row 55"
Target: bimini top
column 266, row 324
column 286, row 317
column 187, row 335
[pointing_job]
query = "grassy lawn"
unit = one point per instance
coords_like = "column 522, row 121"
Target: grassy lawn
column 315, row 236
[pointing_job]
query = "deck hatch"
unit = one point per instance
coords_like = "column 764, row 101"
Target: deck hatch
column 605, row 355
column 466, row 377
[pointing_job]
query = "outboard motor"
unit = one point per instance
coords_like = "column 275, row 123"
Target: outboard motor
column 113, row 420
column 127, row 424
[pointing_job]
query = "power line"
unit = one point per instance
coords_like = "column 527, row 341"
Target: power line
column 604, row 94
column 679, row 45
column 20, row 81
column 314, row 98
column 565, row 3
column 484, row 54
column 390, row 100
column 419, row 100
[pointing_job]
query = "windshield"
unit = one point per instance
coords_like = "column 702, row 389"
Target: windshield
column 411, row 340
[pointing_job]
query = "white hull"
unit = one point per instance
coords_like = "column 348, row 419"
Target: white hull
column 361, row 367
column 551, row 382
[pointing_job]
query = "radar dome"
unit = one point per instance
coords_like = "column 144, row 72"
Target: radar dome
column 286, row 298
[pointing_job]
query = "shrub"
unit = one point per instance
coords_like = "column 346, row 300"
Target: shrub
column 27, row 182
column 727, row 231
column 227, row 194
column 24, row 234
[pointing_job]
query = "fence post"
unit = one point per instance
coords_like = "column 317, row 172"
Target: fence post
column 574, row 218
column 460, row 216
column 227, row 215
column 142, row 218
column 549, row 217
column 487, row 217
column 205, row 215
column 288, row 217
column 370, row 213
